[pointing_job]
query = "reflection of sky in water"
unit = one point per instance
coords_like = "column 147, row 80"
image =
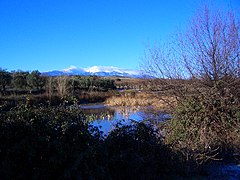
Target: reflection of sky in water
column 107, row 123
column 107, row 117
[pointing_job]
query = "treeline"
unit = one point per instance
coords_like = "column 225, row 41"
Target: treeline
column 22, row 81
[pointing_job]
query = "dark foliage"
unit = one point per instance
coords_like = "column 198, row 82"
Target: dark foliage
column 57, row 143
column 42, row 143
column 5, row 79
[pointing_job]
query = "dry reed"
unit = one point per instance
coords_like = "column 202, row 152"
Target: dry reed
column 142, row 99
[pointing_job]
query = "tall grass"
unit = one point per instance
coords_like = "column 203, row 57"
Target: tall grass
column 135, row 99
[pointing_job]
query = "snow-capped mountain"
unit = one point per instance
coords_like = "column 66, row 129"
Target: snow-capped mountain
column 96, row 70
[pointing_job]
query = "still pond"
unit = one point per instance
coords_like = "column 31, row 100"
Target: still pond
column 105, row 117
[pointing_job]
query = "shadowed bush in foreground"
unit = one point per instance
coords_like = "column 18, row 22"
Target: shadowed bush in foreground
column 43, row 142
column 132, row 152
column 56, row 143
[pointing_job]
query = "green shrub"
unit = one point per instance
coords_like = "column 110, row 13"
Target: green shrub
column 130, row 152
column 43, row 142
column 58, row 143
column 136, row 151
column 207, row 126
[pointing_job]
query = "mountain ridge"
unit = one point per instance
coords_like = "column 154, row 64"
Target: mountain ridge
column 96, row 70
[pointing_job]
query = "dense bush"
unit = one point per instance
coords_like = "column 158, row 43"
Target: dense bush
column 57, row 143
column 137, row 152
column 43, row 142
column 5, row 79
column 207, row 125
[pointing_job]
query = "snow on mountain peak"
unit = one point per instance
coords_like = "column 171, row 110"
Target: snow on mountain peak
column 97, row 70
column 70, row 68
column 74, row 70
column 107, row 69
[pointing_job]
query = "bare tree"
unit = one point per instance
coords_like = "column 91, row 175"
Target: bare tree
column 210, row 49
column 50, row 87
column 207, row 57
column 160, row 61
column 61, row 85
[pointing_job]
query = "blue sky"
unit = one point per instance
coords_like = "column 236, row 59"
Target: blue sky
column 55, row 34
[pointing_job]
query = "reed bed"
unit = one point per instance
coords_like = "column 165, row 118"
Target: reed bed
column 142, row 99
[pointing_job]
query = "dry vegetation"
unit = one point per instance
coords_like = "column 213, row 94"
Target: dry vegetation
column 134, row 99
column 205, row 123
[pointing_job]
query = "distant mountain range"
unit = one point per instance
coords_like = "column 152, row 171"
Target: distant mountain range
column 96, row 70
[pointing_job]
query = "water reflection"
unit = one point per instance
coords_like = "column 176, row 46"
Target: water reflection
column 96, row 112
column 106, row 117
